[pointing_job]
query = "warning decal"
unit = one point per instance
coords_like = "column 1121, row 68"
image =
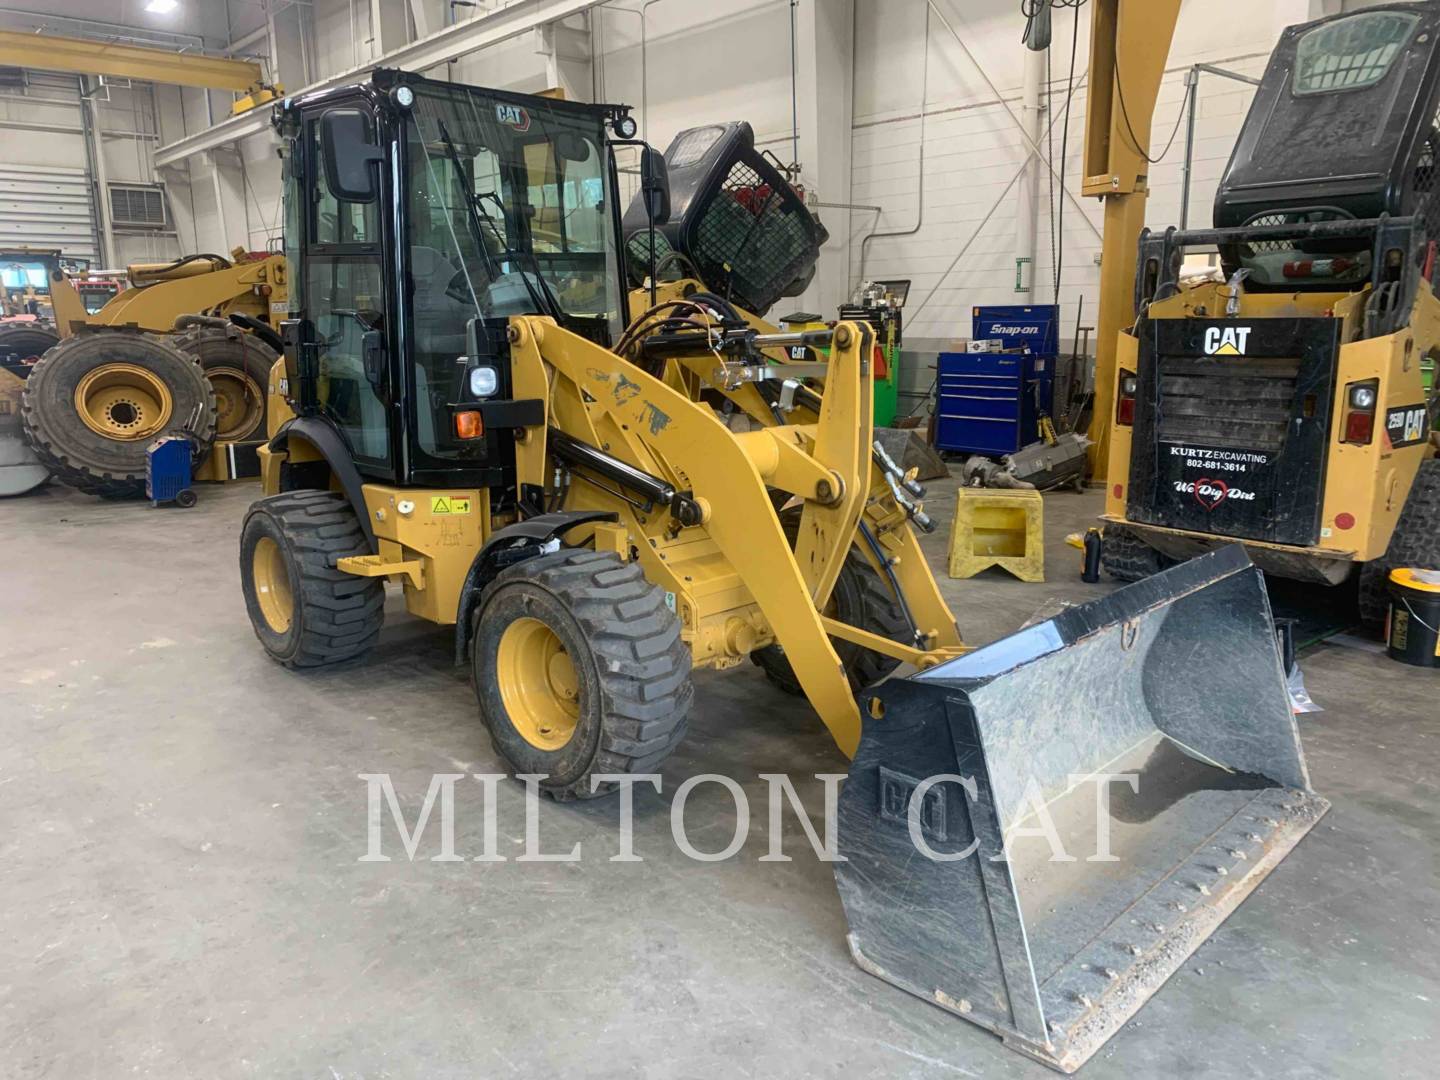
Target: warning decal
column 449, row 504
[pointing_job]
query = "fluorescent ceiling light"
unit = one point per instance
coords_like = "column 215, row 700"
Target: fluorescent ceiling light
column 162, row 7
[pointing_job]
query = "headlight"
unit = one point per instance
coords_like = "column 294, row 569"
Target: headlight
column 484, row 381
column 404, row 96
column 624, row 126
column 1362, row 397
column 1129, row 385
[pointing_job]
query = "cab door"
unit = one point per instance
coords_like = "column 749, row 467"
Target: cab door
column 341, row 306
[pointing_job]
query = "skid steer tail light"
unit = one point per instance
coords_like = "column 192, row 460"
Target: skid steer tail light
column 1360, row 401
column 469, row 424
column 1125, row 403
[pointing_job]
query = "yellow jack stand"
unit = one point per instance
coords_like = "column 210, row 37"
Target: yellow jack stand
column 998, row 528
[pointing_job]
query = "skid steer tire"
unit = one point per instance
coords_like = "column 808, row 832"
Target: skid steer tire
column 1126, row 557
column 238, row 367
column 580, row 670
column 862, row 598
column 306, row 612
column 26, row 342
column 94, row 403
column 1414, row 543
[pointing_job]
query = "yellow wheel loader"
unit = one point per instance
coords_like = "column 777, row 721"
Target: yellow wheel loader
column 599, row 491
column 185, row 348
column 1284, row 406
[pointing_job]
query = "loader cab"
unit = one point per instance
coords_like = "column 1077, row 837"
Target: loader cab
column 420, row 216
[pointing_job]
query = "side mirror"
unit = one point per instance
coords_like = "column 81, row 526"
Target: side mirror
column 655, row 185
column 349, row 154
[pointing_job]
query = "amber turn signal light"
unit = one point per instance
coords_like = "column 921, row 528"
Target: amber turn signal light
column 469, row 425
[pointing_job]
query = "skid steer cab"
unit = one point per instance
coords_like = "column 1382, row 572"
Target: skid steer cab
column 1285, row 405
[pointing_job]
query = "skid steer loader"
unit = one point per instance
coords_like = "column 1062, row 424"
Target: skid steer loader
column 1284, row 407
column 597, row 500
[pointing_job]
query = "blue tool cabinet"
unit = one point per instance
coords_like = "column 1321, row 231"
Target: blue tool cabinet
column 990, row 403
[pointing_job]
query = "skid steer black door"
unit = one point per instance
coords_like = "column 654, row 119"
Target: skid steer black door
column 1232, row 426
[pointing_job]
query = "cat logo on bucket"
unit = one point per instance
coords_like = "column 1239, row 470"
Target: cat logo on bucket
column 1226, row 340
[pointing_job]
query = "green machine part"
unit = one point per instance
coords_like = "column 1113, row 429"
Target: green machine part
column 887, row 390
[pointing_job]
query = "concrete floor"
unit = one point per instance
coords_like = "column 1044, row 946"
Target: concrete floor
column 180, row 893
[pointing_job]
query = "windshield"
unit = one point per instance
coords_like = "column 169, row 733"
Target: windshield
column 509, row 215
column 512, row 199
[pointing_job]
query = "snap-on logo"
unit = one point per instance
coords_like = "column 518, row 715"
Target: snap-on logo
column 1014, row 329
column 1226, row 340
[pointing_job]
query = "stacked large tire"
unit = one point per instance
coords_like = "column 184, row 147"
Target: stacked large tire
column 21, row 344
column 238, row 367
column 94, row 403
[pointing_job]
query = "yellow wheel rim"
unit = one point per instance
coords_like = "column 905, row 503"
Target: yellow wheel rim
column 123, row 402
column 272, row 585
column 538, row 684
column 239, row 403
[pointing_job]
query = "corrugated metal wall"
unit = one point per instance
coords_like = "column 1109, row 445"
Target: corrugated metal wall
column 47, row 206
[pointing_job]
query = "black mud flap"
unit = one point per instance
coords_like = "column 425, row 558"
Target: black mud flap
column 955, row 893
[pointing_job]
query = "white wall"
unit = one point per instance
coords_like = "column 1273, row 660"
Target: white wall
column 706, row 60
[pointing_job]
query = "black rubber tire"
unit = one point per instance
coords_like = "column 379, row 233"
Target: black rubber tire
column 337, row 616
column 85, row 459
column 229, row 350
column 27, row 341
column 1125, row 557
column 861, row 598
column 633, row 667
column 1414, row 543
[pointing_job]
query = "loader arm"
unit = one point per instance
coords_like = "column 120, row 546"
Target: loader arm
column 736, row 583
column 247, row 288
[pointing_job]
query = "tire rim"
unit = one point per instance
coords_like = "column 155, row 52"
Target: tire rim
column 123, row 402
column 239, row 403
column 272, row 585
column 538, row 684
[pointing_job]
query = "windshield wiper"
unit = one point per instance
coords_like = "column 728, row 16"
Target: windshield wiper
column 555, row 309
column 470, row 218
column 474, row 210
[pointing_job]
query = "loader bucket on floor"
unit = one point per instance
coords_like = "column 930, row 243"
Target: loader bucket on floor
column 1174, row 680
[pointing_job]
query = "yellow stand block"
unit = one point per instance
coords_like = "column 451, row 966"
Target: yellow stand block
column 998, row 528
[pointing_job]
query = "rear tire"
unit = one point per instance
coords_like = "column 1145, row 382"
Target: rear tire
column 26, row 342
column 94, row 403
column 238, row 367
column 304, row 611
column 862, row 598
column 1415, row 543
column 580, row 670
column 1126, row 557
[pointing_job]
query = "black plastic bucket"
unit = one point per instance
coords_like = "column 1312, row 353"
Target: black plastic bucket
column 1412, row 629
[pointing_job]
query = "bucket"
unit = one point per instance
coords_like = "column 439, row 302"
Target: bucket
column 1412, row 628
column 1173, row 683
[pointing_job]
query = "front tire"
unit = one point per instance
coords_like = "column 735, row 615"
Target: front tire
column 580, row 670
column 1126, row 557
column 306, row 612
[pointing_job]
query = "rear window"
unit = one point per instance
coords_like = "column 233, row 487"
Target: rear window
column 1351, row 53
